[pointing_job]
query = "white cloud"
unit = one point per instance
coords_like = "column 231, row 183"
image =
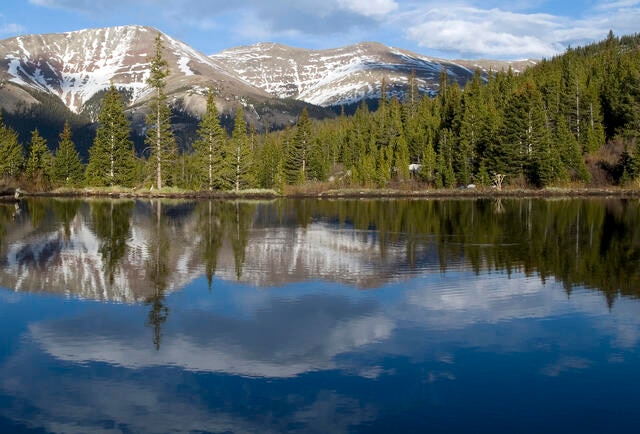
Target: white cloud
column 455, row 28
column 89, row 7
column 617, row 5
column 369, row 8
column 470, row 31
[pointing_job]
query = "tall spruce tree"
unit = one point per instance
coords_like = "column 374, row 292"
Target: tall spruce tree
column 270, row 163
column 241, row 154
column 67, row 167
column 445, row 175
column 38, row 168
column 428, row 163
column 111, row 157
column 297, row 161
column 211, row 153
column 570, row 152
column 471, row 125
column 160, row 138
column 511, row 154
column 11, row 152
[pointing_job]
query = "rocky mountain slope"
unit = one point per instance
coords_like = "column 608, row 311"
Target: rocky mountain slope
column 78, row 66
column 344, row 75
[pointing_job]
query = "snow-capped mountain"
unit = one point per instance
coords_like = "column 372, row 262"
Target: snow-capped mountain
column 343, row 75
column 78, row 66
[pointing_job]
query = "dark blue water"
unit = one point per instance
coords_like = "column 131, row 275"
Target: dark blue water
column 317, row 329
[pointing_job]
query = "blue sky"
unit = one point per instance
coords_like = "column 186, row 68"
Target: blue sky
column 499, row 29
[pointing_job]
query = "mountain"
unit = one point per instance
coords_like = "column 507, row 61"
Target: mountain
column 77, row 66
column 344, row 75
column 47, row 79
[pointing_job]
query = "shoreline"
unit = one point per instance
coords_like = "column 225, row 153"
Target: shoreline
column 347, row 194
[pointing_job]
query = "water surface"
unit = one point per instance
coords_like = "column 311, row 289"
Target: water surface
column 320, row 316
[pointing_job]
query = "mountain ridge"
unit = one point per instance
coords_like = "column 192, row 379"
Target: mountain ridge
column 343, row 75
column 77, row 65
column 48, row 79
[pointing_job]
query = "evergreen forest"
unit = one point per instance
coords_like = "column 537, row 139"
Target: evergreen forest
column 572, row 120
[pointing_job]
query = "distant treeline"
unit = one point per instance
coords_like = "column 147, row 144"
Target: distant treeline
column 570, row 120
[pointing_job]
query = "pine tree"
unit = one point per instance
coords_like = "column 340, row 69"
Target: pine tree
column 471, row 125
column 594, row 135
column 429, row 160
column 297, row 161
column 483, row 179
column 515, row 145
column 401, row 158
column 543, row 163
column 212, row 156
column 398, row 142
column 570, row 151
column 445, row 175
column 160, row 139
column 38, row 168
column 270, row 163
column 11, row 152
column 67, row 167
column 111, row 157
column 241, row 154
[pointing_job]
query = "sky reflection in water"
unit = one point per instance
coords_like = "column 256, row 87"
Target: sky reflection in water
column 426, row 349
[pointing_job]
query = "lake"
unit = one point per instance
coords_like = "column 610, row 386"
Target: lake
column 372, row 316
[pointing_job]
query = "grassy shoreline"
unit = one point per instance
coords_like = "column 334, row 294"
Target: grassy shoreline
column 343, row 193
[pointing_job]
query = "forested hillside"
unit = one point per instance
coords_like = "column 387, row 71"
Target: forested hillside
column 570, row 120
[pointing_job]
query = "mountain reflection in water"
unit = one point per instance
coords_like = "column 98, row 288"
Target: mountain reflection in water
column 132, row 251
column 319, row 316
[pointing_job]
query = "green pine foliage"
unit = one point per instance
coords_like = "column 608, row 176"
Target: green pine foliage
column 39, row 163
column 241, row 154
column 67, row 170
column 299, row 151
column 111, row 157
column 160, row 139
column 570, row 151
column 11, row 153
column 571, row 119
column 212, row 158
column 269, row 163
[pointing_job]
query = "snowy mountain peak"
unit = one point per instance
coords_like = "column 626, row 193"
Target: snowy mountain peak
column 75, row 66
column 335, row 76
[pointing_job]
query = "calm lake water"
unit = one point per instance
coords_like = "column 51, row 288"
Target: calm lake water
column 320, row 316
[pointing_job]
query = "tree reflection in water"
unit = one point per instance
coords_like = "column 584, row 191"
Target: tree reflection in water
column 158, row 273
column 111, row 222
column 143, row 249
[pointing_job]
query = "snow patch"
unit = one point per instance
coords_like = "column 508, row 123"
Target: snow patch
column 183, row 65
